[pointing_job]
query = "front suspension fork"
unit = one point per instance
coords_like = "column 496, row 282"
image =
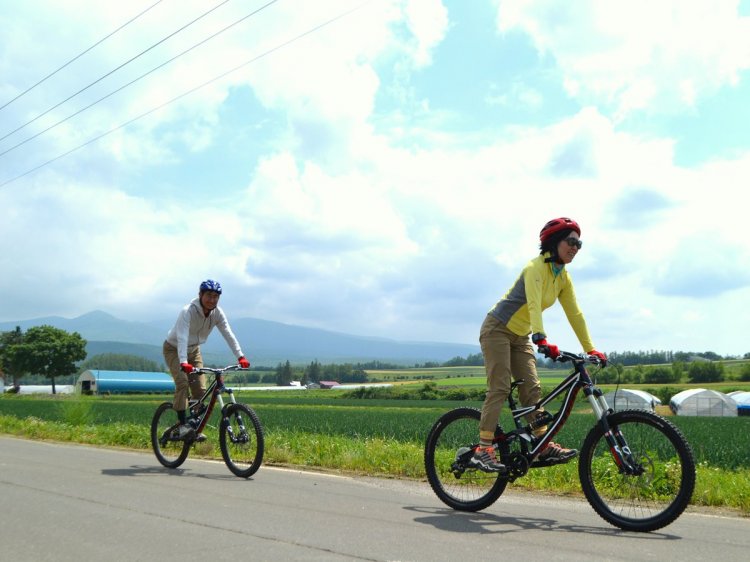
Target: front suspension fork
column 618, row 446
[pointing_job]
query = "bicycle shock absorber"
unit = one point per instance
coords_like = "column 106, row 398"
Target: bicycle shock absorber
column 629, row 464
column 619, row 448
column 544, row 418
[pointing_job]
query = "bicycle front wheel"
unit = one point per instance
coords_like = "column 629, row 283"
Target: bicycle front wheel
column 169, row 450
column 449, row 446
column 663, row 482
column 241, row 440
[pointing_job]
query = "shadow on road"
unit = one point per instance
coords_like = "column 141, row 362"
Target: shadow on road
column 150, row 470
column 488, row 523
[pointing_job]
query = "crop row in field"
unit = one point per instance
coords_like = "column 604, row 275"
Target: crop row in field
column 440, row 373
column 720, row 442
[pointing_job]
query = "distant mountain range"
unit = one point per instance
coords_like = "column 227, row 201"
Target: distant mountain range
column 265, row 342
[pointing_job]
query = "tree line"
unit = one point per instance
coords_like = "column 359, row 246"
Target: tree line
column 314, row 372
column 45, row 352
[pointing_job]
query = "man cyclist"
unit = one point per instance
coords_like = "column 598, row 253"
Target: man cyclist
column 182, row 350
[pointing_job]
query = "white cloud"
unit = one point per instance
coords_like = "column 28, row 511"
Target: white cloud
column 428, row 22
column 637, row 55
column 349, row 225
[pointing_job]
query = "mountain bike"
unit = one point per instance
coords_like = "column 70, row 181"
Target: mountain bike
column 636, row 468
column 240, row 432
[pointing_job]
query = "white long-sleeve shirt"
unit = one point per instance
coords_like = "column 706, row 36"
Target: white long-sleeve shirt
column 193, row 328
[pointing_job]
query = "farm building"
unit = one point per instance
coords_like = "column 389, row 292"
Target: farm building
column 626, row 399
column 702, row 402
column 742, row 399
column 329, row 384
column 119, row 382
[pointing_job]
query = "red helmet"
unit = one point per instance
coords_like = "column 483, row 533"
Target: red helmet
column 556, row 225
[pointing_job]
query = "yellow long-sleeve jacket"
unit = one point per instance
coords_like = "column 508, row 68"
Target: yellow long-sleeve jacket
column 535, row 290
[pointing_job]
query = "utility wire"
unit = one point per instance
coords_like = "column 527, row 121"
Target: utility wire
column 116, row 69
column 203, row 85
column 51, row 74
column 254, row 12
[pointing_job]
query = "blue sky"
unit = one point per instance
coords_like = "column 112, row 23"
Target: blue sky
column 386, row 174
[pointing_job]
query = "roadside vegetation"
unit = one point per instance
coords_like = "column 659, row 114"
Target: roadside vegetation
column 333, row 430
column 378, row 430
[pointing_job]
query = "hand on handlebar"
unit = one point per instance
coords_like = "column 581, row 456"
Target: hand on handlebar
column 243, row 362
column 600, row 356
column 547, row 349
column 187, row 368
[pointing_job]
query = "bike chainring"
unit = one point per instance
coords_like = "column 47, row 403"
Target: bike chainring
column 517, row 465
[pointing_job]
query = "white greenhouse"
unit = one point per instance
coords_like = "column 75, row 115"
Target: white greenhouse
column 702, row 402
column 628, row 399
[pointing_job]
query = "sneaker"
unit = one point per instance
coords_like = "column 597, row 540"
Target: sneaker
column 185, row 431
column 555, row 452
column 485, row 460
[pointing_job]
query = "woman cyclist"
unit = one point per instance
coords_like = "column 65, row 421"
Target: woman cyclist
column 504, row 336
column 182, row 350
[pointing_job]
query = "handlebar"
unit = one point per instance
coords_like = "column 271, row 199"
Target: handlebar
column 219, row 371
column 566, row 356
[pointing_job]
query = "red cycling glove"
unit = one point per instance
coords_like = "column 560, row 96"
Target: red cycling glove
column 549, row 350
column 244, row 363
column 599, row 355
column 546, row 349
column 187, row 368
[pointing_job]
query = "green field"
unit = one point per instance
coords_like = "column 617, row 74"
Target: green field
column 395, row 375
column 319, row 430
column 451, row 376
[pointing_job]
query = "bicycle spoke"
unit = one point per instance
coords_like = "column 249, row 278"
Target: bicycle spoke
column 241, row 440
column 169, row 451
column 661, row 484
column 449, row 445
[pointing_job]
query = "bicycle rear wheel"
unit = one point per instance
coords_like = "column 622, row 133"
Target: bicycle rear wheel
column 170, row 451
column 449, row 446
column 660, row 490
column 241, row 440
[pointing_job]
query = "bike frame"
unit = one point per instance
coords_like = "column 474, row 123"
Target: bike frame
column 578, row 380
column 214, row 393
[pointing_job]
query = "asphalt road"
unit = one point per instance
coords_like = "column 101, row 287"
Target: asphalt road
column 67, row 502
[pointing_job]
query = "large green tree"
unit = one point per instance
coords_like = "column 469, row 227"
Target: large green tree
column 312, row 372
column 8, row 360
column 284, row 375
column 49, row 351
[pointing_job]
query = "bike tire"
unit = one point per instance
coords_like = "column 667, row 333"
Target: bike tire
column 652, row 499
column 241, row 440
column 467, row 489
column 169, row 452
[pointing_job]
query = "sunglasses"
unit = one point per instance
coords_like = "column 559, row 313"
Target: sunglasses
column 574, row 242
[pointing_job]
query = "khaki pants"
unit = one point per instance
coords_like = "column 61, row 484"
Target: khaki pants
column 195, row 381
column 506, row 355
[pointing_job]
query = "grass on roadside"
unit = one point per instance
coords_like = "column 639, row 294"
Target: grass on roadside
column 372, row 456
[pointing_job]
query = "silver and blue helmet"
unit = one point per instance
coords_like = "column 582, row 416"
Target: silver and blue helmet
column 210, row 285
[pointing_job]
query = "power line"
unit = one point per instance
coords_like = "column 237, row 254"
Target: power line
column 254, row 12
column 51, row 74
column 115, row 69
column 196, row 88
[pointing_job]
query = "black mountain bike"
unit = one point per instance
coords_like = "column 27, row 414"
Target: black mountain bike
column 240, row 433
column 636, row 468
